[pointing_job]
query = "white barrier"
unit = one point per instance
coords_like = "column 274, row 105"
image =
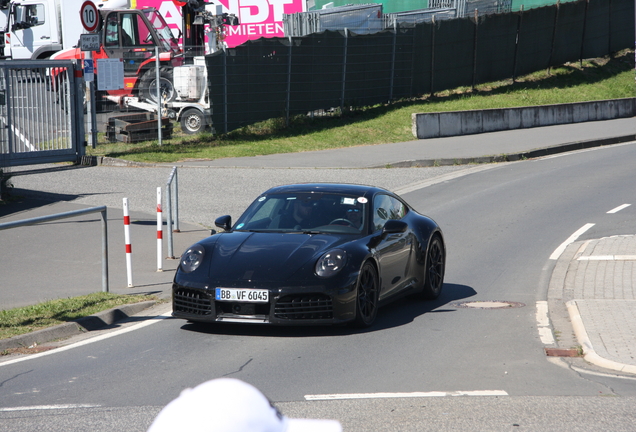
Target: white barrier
column 128, row 244
column 159, row 232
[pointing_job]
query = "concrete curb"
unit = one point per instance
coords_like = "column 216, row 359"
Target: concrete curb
column 90, row 323
column 113, row 162
column 455, row 123
column 590, row 354
column 540, row 152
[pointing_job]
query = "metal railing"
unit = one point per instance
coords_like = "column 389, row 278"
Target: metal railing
column 172, row 208
column 66, row 215
column 41, row 116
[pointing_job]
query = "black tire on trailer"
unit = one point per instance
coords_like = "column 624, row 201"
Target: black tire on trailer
column 192, row 121
column 148, row 86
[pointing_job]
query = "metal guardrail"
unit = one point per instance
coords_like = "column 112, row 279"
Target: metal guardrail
column 66, row 215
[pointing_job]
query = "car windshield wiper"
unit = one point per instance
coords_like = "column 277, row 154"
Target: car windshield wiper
column 303, row 232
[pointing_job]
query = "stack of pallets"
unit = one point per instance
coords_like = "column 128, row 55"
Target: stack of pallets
column 131, row 128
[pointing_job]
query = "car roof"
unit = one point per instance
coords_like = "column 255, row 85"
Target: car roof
column 340, row 188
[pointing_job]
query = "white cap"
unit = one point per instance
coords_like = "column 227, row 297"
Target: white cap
column 230, row 405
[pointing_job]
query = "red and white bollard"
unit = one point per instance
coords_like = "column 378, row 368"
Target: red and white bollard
column 159, row 232
column 128, row 244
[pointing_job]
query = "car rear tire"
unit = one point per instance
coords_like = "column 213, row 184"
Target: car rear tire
column 434, row 269
column 367, row 296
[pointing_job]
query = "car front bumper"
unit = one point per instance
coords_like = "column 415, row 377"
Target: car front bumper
column 296, row 305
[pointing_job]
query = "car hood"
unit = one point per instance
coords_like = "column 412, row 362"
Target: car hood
column 266, row 257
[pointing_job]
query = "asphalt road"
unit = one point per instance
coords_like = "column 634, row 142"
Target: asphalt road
column 501, row 225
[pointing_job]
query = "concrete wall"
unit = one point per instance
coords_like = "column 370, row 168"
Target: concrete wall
column 453, row 123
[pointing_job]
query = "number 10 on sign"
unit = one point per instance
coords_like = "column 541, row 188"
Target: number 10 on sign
column 89, row 15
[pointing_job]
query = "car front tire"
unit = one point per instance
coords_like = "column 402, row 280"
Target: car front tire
column 367, row 296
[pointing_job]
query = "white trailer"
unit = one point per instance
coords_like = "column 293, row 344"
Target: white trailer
column 191, row 106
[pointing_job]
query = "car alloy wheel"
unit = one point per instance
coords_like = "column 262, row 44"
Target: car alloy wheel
column 367, row 296
column 434, row 270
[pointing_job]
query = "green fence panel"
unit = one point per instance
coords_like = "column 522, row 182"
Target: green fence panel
column 495, row 47
column 422, row 58
column 597, row 26
column 404, row 63
column 310, row 75
column 368, row 63
column 535, row 40
column 453, row 56
column 256, row 81
column 622, row 25
column 568, row 37
column 317, row 71
column 214, row 64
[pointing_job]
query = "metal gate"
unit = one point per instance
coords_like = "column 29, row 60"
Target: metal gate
column 41, row 115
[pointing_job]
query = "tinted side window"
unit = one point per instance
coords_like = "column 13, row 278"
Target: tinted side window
column 112, row 31
column 386, row 208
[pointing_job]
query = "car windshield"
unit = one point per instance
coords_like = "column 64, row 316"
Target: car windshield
column 166, row 37
column 306, row 213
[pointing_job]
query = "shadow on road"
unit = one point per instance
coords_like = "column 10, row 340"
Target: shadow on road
column 22, row 200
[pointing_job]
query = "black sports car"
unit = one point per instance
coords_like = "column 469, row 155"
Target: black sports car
column 311, row 254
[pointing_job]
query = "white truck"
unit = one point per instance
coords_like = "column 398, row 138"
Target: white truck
column 35, row 29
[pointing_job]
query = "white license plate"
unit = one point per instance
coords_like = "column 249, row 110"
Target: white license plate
column 242, row 295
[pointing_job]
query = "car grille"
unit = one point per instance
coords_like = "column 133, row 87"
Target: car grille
column 304, row 307
column 191, row 302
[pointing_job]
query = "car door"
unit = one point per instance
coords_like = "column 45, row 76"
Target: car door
column 31, row 30
column 393, row 251
column 128, row 37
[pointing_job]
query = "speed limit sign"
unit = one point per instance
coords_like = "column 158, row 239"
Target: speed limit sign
column 88, row 15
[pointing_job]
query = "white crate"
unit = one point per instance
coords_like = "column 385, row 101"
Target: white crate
column 189, row 81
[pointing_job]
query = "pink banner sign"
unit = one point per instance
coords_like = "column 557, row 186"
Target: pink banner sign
column 257, row 18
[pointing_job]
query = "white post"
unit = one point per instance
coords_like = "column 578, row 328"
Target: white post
column 159, row 232
column 128, row 244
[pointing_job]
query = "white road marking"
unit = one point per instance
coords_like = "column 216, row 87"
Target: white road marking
column 404, row 395
column 105, row 336
column 619, row 208
column 558, row 251
column 542, row 314
column 543, row 323
column 48, row 407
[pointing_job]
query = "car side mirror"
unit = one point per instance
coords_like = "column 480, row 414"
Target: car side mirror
column 390, row 227
column 394, row 227
column 224, row 222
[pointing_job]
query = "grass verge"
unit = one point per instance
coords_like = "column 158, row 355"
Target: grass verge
column 610, row 77
column 14, row 322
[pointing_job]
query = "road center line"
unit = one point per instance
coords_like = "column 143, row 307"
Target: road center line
column 404, row 395
column 619, row 208
column 558, row 251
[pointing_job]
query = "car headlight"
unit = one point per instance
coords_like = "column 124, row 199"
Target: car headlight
column 331, row 263
column 192, row 258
